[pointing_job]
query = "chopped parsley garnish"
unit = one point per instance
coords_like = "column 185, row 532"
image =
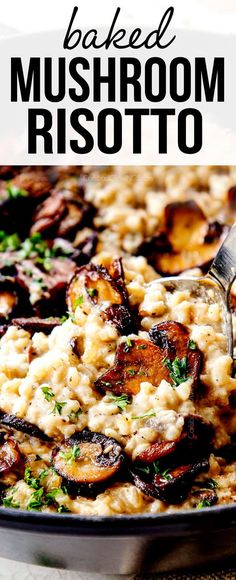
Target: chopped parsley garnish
column 128, row 345
column 149, row 414
column 58, row 407
column 154, row 469
column 70, row 455
column 141, row 346
column 62, row 509
column 51, row 496
column 32, row 481
column 157, row 470
column 36, row 247
column 145, row 469
column 131, row 372
column 48, row 393
column 78, row 301
column 207, row 483
column 14, row 192
column 202, row 504
column 192, row 345
column 92, row 292
column 10, row 243
column 63, row 318
column 9, row 502
column 178, row 370
column 121, row 401
column 75, row 414
column 36, row 500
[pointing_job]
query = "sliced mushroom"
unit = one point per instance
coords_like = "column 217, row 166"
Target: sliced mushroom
column 48, row 215
column 11, row 297
column 194, row 442
column 171, row 486
column 142, row 361
column 103, row 287
column 87, row 462
column 232, row 199
column 173, row 338
column 51, row 285
column 36, row 324
column 22, row 425
column 9, row 455
column 204, row 497
column 35, row 182
column 61, row 215
column 186, row 241
column 146, row 360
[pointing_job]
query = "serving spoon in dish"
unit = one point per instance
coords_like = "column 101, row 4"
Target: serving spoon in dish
column 215, row 286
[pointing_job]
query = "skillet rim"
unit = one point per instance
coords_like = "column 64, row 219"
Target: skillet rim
column 184, row 522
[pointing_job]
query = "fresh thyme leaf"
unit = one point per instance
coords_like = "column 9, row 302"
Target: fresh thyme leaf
column 131, row 372
column 50, row 497
column 14, row 192
column 70, row 455
column 207, row 483
column 58, row 407
column 75, row 414
column 149, row 414
column 48, row 393
column 141, row 346
column 9, row 242
column 36, row 500
column 120, row 400
column 32, row 481
column 178, row 370
column 192, row 345
column 202, row 504
column 63, row 509
column 78, row 301
column 63, row 319
column 92, row 292
column 43, row 473
column 145, row 469
column 9, row 502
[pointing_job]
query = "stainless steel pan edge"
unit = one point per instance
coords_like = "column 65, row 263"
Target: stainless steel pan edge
column 121, row 544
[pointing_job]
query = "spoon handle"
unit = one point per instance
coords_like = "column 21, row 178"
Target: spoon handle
column 223, row 269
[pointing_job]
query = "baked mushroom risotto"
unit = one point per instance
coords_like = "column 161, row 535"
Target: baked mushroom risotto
column 116, row 392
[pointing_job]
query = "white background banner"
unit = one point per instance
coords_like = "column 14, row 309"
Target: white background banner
column 44, row 25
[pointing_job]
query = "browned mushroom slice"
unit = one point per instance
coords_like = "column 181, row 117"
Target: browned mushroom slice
column 186, row 225
column 171, row 486
column 187, row 240
column 157, row 450
column 36, row 324
column 9, row 299
column 173, row 338
column 87, row 461
column 35, row 182
column 76, row 211
column 194, row 442
column 9, row 455
column 232, row 199
column 22, row 425
column 48, row 215
column 95, row 285
column 142, row 361
column 167, row 356
column 204, row 497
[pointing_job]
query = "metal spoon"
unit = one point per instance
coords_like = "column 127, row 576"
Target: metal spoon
column 218, row 279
